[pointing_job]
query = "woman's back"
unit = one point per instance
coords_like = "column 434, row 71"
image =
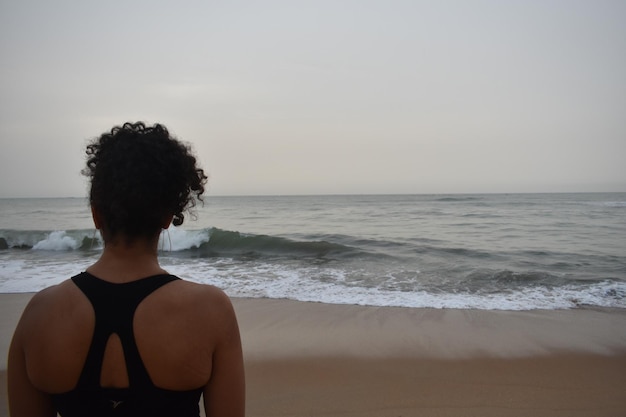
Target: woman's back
column 186, row 335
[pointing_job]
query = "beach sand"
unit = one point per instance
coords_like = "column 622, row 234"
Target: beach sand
column 313, row 359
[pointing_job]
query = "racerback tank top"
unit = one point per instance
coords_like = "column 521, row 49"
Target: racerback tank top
column 114, row 306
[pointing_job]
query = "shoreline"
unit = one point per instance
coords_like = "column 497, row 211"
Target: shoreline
column 316, row 329
column 331, row 360
column 280, row 328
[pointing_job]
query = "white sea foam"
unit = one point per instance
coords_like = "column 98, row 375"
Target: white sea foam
column 57, row 241
column 32, row 275
column 311, row 284
column 328, row 285
column 177, row 239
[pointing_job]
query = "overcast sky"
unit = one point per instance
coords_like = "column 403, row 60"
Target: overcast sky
column 317, row 97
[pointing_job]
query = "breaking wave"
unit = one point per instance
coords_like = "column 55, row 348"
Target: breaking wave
column 204, row 243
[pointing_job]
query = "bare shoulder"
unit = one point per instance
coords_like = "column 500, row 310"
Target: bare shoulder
column 202, row 290
column 54, row 320
column 50, row 303
column 55, row 293
column 202, row 296
column 204, row 304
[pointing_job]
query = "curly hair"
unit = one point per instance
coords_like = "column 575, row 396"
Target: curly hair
column 140, row 176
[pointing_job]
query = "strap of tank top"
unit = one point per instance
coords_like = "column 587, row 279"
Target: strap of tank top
column 114, row 306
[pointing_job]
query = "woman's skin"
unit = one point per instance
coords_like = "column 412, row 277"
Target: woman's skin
column 186, row 333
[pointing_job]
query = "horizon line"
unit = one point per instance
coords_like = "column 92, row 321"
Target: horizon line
column 348, row 194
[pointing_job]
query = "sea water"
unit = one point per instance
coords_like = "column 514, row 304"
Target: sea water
column 491, row 251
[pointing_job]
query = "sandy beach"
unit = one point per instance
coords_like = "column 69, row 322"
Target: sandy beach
column 313, row 359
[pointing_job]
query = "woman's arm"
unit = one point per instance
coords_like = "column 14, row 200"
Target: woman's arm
column 224, row 395
column 24, row 399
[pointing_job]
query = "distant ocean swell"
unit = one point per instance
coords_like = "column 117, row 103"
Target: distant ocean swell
column 338, row 269
column 215, row 242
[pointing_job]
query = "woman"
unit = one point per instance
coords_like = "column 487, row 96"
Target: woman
column 125, row 338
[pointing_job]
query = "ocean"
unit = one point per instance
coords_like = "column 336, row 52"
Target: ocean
column 478, row 251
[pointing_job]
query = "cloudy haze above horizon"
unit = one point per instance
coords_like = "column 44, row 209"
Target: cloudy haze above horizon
column 323, row 97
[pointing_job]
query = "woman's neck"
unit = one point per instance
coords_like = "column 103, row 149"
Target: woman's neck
column 125, row 262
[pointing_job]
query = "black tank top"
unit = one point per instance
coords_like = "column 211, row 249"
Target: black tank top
column 114, row 306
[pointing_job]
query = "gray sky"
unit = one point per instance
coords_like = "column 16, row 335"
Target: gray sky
column 310, row 97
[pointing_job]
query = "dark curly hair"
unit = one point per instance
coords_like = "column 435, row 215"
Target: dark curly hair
column 140, row 176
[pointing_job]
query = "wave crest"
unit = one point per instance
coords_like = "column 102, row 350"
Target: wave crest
column 225, row 242
column 203, row 242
